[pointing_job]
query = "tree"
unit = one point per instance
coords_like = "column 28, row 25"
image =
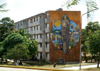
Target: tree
column 90, row 4
column 94, row 44
column 19, row 51
column 32, row 46
column 12, row 38
column 10, row 41
column 83, row 46
column 7, row 23
column 24, row 33
column 15, row 38
column 6, row 27
column 83, row 36
column 2, row 6
column 93, row 26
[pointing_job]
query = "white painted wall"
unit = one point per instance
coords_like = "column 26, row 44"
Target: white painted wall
column 47, row 29
column 39, row 39
column 34, row 23
column 47, row 48
column 47, row 39
column 39, row 48
column 38, row 57
column 47, row 58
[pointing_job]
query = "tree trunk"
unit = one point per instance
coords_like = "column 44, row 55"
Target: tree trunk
column 6, row 61
column 98, row 60
column 1, row 60
column 98, row 64
column 84, row 54
column 16, row 63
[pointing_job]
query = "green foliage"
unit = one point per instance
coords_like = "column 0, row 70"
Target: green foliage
column 94, row 42
column 83, row 36
column 19, row 51
column 2, row 6
column 6, row 27
column 70, row 3
column 7, row 22
column 93, row 26
column 91, row 6
column 11, row 40
column 89, row 29
column 1, row 51
column 24, row 33
column 33, row 46
column 16, row 38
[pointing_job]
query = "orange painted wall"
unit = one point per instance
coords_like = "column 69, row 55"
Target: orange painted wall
column 55, row 53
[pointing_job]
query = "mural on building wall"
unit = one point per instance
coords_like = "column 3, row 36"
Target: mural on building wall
column 65, row 34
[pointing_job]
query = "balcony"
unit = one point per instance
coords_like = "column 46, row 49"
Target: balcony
column 46, row 30
column 38, row 40
column 46, row 39
column 47, row 48
column 46, row 21
column 34, row 23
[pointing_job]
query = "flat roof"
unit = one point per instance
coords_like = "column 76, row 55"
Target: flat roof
column 30, row 17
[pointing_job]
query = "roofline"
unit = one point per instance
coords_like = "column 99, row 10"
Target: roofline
column 29, row 17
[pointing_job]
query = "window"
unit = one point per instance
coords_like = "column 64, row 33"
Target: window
column 34, row 28
column 20, row 24
column 24, row 22
column 41, row 56
column 37, row 54
column 45, row 25
column 40, row 44
column 46, row 44
column 37, row 27
column 41, row 36
column 46, row 54
column 34, row 36
column 37, row 36
column 46, row 35
column 45, row 15
column 34, row 19
column 37, row 18
column 30, row 20
column 31, row 29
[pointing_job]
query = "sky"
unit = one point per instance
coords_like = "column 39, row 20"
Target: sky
column 21, row 9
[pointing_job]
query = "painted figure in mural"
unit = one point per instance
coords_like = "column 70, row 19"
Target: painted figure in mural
column 65, row 34
column 65, row 25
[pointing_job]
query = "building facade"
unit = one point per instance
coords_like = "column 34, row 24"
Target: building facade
column 48, row 30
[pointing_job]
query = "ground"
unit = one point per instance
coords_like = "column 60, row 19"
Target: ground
column 90, row 69
column 45, row 65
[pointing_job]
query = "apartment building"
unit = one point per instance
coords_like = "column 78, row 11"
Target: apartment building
column 46, row 30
